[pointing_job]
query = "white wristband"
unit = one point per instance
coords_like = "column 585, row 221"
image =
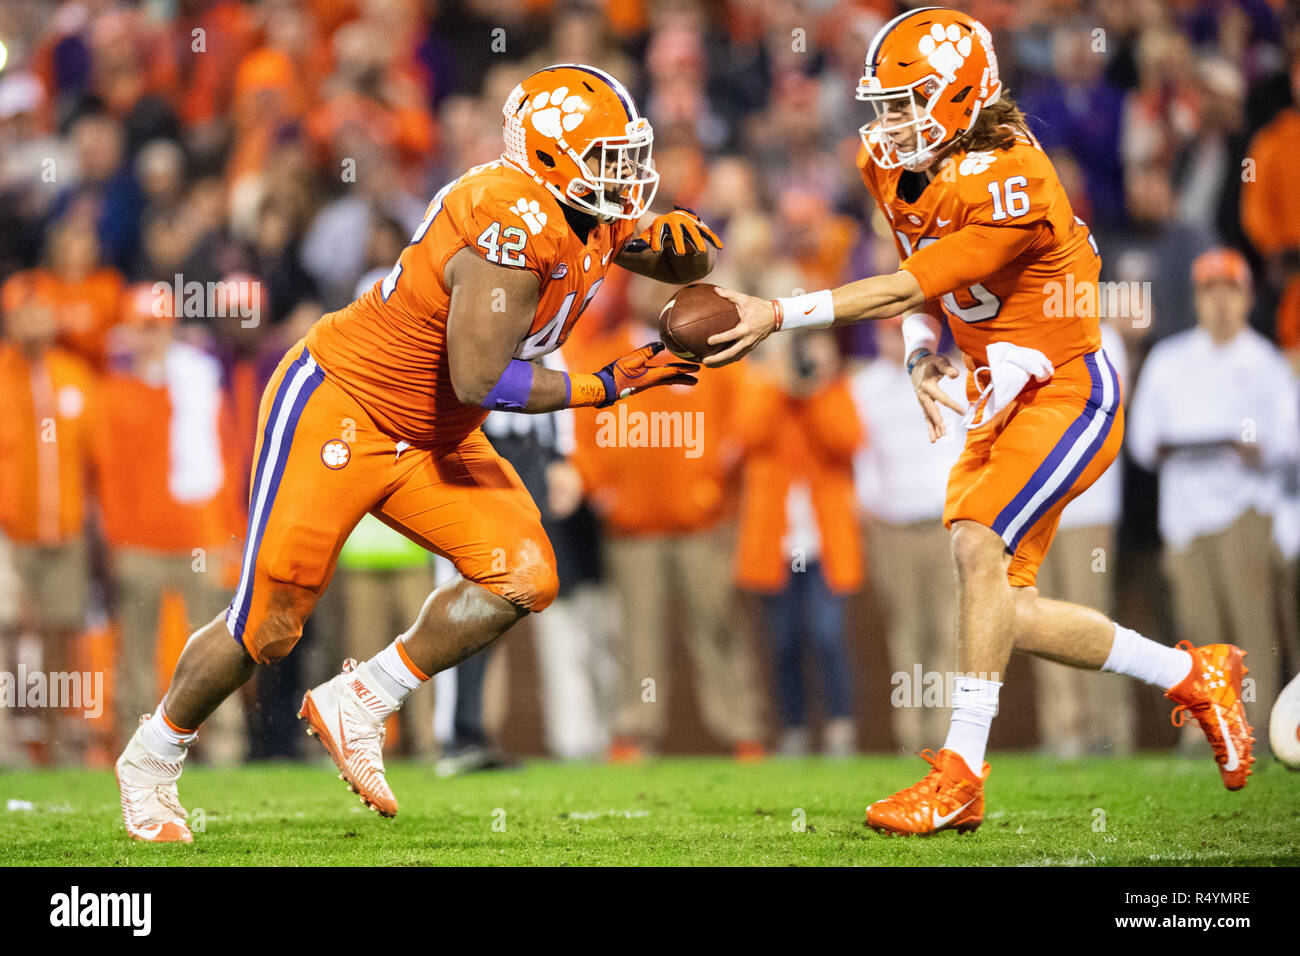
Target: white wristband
column 920, row 331
column 816, row 310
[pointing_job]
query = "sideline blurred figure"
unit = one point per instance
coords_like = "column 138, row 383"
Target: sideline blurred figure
column 1269, row 200
column 1215, row 413
column 46, row 402
column 160, row 439
column 798, row 544
column 657, row 470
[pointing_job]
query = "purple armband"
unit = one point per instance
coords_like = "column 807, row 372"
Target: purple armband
column 510, row 393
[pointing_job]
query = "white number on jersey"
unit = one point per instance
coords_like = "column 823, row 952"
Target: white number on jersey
column 507, row 251
column 547, row 337
column 1091, row 240
column 435, row 207
column 987, row 305
column 1017, row 200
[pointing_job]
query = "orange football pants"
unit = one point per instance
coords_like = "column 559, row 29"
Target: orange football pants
column 1017, row 474
column 322, row 463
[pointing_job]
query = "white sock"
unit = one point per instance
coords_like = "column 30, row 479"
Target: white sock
column 974, row 705
column 164, row 740
column 391, row 672
column 1140, row 657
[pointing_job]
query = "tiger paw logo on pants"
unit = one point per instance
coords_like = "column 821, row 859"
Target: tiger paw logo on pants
column 335, row 454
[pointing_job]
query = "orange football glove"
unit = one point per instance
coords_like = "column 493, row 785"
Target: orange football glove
column 684, row 228
column 634, row 372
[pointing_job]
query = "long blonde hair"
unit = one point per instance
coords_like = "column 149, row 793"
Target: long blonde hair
column 995, row 128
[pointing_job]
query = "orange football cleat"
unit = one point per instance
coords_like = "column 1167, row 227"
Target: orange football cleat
column 1211, row 693
column 950, row 797
column 625, row 750
column 342, row 714
column 749, row 751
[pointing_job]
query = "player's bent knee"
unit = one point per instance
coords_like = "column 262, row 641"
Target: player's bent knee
column 526, row 576
column 977, row 551
column 540, row 586
column 278, row 631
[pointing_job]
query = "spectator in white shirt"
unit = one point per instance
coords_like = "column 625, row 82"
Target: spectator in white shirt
column 1216, row 413
column 1078, row 710
column 901, row 479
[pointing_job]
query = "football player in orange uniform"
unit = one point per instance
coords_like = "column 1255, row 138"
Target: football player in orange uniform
column 985, row 232
column 378, row 410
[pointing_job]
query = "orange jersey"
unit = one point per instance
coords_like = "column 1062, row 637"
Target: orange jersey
column 993, row 238
column 84, row 309
column 137, row 506
column 389, row 348
column 46, row 452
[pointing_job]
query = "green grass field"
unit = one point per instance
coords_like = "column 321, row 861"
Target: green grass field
column 1141, row 811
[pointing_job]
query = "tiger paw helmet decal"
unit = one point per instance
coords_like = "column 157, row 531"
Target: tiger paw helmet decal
column 555, row 112
column 946, row 49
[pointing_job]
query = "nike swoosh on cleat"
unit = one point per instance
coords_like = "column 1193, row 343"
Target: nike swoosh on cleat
column 150, row 831
column 1231, row 763
column 344, row 749
column 941, row 822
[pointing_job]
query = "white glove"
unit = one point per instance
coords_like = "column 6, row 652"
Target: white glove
column 1010, row 368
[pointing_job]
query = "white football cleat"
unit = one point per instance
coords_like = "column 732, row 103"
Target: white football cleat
column 151, row 807
column 343, row 714
column 1284, row 725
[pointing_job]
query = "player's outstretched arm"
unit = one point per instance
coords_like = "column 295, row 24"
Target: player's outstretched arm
column 876, row 297
column 481, row 344
column 673, row 249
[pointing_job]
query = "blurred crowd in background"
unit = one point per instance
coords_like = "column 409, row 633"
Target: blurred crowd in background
column 265, row 160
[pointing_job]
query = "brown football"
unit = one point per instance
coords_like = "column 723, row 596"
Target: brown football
column 693, row 315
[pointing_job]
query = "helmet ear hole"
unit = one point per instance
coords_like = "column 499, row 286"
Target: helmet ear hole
column 546, row 159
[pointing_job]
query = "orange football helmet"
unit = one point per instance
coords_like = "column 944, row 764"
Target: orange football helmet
column 561, row 118
column 930, row 69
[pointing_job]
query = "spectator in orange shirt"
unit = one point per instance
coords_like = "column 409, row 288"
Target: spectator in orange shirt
column 159, row 437
column 798, row 534
column 657, row 472
column 83, row 292
column 46, row 395
column 1270, row 198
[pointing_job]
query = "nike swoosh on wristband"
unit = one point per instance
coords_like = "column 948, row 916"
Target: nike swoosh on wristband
column 941, row 822
column 1231, row 763
column 808, row 311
